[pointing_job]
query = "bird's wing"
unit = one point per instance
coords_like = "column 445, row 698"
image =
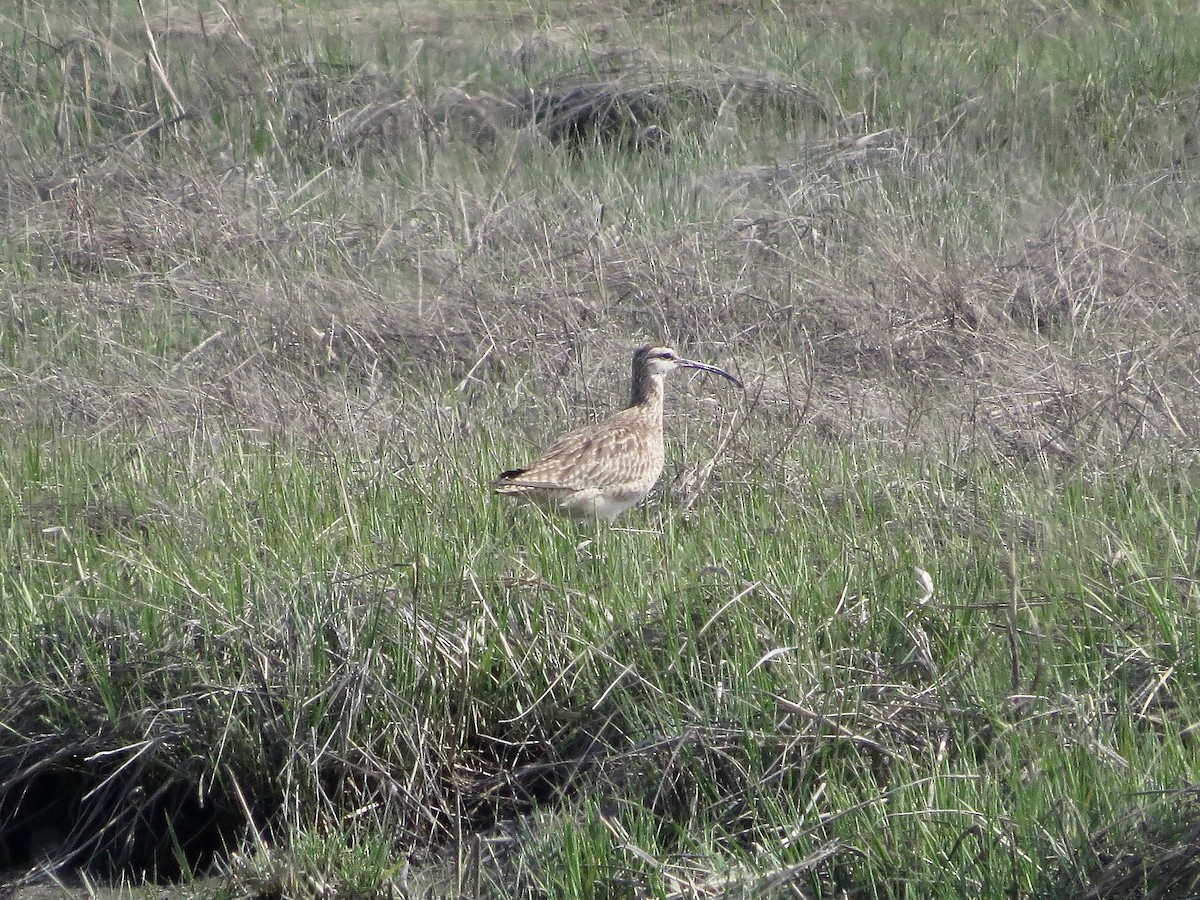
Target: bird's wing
column 589, row 457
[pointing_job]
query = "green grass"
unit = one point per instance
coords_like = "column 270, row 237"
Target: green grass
column 263, row 627
column 762, row 671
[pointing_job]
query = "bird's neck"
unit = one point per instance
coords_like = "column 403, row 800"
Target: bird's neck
column 647, row 393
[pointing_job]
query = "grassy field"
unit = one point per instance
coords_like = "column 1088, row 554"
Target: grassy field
column 284, row 287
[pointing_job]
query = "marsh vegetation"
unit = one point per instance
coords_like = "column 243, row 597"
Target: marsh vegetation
column 284, row 287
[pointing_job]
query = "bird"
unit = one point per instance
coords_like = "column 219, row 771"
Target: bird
column 601, row 470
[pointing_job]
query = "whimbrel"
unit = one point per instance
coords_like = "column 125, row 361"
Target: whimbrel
column 600, row 470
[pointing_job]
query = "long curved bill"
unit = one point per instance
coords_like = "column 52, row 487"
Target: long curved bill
column 705, row 367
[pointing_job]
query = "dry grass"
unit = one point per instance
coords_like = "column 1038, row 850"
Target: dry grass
column 1063, row 329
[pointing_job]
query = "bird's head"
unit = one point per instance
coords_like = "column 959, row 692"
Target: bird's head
column 657, row 362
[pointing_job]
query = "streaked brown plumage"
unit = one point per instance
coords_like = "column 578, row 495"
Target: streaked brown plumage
column 600, row 470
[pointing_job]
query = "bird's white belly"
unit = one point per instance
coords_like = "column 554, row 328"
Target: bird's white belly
column 600, row 504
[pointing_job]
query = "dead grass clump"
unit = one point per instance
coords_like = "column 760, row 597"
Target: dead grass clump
column 412, row 127
column 629, row 97
column 633, row 98
column 100, row 516
column 1086, row 272
column 1150, row 853
column 936, row 348
column 1147, row 681
column 125, row 217
column 220, row 31
column 1110, row 322
column 824, row 164
column 639, row 107
column 550, row 49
